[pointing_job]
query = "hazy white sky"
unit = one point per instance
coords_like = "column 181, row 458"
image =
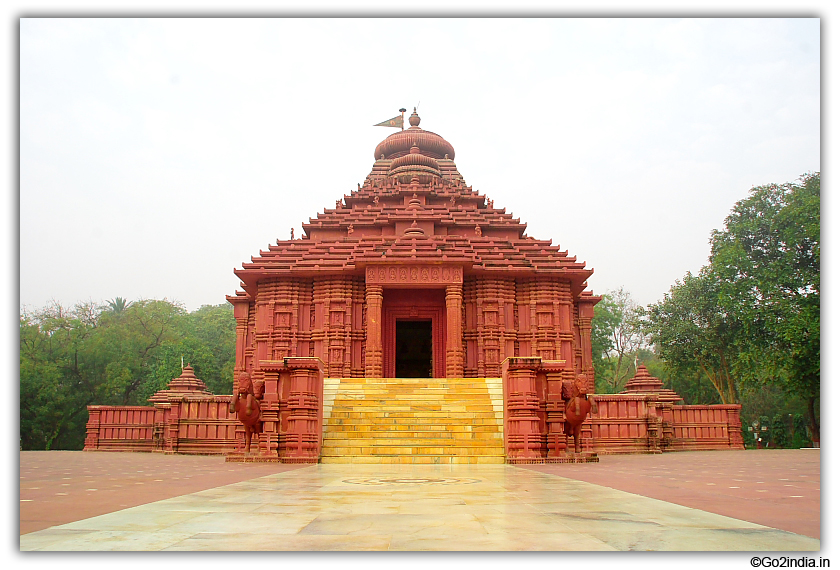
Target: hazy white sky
column 156, row 155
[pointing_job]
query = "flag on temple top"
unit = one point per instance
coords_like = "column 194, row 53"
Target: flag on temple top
column 395, row 122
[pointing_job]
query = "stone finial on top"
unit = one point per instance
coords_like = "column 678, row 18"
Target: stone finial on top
column 414, row 119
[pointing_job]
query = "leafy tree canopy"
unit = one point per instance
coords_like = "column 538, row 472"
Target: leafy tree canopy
column 751, row 317
column 118, row 353
column 767, row 260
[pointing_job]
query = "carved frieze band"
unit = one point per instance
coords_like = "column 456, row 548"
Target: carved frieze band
column 414, row 274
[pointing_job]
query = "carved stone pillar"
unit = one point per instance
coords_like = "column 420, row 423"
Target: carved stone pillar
column 306, row 400
column 555, row 407
column 270, row 438
column 454, row 340
column 523, row 440
column 92, row 439
column 733, row 421
column 373, row 330
column 172, row 429
column 240, row 313
column 586, row 311
column 158, row 436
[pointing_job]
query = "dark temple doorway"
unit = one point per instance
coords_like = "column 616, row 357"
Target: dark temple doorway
column 413, row 349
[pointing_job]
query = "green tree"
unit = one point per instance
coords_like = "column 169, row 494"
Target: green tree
column 119, row 353
column 767, row 259
column 59, row 376
column 692, row 331
column 214, row 328
column 118, row 304
column 617, row 337
column 130, row 342
column 628, row 338
column 605, row 319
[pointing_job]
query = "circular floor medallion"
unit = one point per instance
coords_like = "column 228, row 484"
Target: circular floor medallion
column 409, row 480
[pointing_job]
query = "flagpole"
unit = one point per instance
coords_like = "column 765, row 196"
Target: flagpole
column 402, row 116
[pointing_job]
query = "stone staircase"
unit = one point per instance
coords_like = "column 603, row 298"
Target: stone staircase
column 413, row 420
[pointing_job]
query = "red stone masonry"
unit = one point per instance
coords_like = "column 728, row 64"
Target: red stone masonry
column 644, row 418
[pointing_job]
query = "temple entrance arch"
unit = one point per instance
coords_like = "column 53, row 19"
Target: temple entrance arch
column 412, row 319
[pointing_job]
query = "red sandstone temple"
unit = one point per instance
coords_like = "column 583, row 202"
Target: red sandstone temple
column 417, row 320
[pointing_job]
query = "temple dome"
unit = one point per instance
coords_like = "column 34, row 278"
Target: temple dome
column 400, row 143
column 414, row 164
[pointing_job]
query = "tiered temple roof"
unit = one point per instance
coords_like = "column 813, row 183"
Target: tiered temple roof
column 644, row 383
column 415, row 207
column 185, row 387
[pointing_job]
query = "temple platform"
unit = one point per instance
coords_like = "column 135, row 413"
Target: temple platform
column 753, row 501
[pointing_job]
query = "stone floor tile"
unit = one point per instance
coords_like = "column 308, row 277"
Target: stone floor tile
column 144, row 518
column 262, row 542
column 117, row 540
column 261, row 523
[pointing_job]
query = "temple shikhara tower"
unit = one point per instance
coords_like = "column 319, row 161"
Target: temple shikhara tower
column 415, row 322
column 414, row 274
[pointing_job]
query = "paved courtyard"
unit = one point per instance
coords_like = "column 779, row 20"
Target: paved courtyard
column 710, row 501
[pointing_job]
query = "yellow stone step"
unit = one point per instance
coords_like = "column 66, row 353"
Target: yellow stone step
column 410, row 438
column 409, row 450
column 449, row 380
column 415, row 459
column 439, row 389
column 402, row 406
column 413, row 420
column 397, row 427
column 456, row 416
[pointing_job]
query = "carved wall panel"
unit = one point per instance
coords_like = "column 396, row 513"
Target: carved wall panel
column 337, row 324
column 470, row 331
column 545, row 317
column 409, row 275
column 495, row 328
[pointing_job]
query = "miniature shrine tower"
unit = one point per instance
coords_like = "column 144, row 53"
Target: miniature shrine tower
column 414, row 274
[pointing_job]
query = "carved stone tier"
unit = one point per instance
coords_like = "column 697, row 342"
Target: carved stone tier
column 643, row 383
column 185, row 386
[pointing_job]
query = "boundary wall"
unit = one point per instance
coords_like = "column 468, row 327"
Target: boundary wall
column 196, row 426
column 641, row 423
column 643, row 419
column 186, row 419
column 638, row 421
